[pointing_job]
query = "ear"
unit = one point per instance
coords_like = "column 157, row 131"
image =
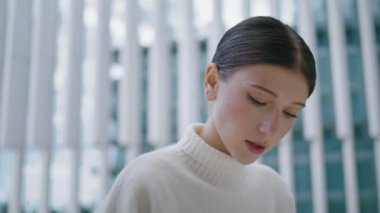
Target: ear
column 211, row 81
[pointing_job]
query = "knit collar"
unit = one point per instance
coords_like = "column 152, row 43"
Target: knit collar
column 209, row 163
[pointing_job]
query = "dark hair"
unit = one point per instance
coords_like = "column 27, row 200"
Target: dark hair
column 264, row 40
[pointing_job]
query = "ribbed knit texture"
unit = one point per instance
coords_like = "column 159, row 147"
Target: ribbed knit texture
column 214, row 166
column 193, row 177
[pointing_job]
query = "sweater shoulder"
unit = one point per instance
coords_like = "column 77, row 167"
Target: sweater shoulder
column 137, row 187
column 269, row 177
column 151, row 164
column 272, row 183
column 164, row 156
column 265, row 171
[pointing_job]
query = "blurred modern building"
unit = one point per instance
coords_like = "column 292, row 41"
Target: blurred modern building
column 86, row 86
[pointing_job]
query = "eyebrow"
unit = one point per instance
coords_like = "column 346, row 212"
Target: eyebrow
column 273, row 93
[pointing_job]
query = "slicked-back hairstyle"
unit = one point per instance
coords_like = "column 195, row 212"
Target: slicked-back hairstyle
column 264, row 40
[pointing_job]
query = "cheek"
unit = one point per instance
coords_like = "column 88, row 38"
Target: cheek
column 285, row 127
column 235, row 111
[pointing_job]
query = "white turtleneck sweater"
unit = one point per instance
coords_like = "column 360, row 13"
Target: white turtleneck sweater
column 192, row 177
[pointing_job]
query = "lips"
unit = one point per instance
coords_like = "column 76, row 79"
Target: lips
column 256, row 148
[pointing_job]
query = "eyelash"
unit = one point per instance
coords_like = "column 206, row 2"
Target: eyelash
column 255, row 101
column 259, row 103
column 290, row 115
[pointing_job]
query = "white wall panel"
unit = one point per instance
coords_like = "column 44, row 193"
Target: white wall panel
column 342, row 101
column 312, row 123
column 159, row 79
column 130, row 89
column 188, row 70
column 14, row 91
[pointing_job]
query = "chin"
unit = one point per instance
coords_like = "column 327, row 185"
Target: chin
column 246, row 161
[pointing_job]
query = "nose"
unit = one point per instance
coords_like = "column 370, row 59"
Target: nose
column 269, row 123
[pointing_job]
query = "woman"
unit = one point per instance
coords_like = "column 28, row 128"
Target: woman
column 259, row 79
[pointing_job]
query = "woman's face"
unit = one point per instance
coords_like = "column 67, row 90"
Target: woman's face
column 252, row 109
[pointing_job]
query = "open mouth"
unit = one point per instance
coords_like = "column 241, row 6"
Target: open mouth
column 255, row 148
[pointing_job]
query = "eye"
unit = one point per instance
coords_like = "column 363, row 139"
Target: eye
column 290, row 115
column 255, row 101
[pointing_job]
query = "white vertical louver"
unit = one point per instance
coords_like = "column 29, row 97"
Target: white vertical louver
column 216, row 27
column 43, row 62
column 275, row 8
column 16, row 74
column 159, row 79
column 342, row 102
column 3, row 24
column 130, row 89
column 14, row 90
column 102, row 93
column 312, row 124
column 246, row 8
column 72, row 94
column 188, row 70
column 371, row 77
column 102, row 69
column 41, row 91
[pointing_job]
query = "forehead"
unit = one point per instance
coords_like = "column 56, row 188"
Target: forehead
column 281, row 80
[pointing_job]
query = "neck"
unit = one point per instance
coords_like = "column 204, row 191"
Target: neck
column 211, row 136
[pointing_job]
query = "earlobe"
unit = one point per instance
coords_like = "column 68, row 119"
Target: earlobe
column 211, row 81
